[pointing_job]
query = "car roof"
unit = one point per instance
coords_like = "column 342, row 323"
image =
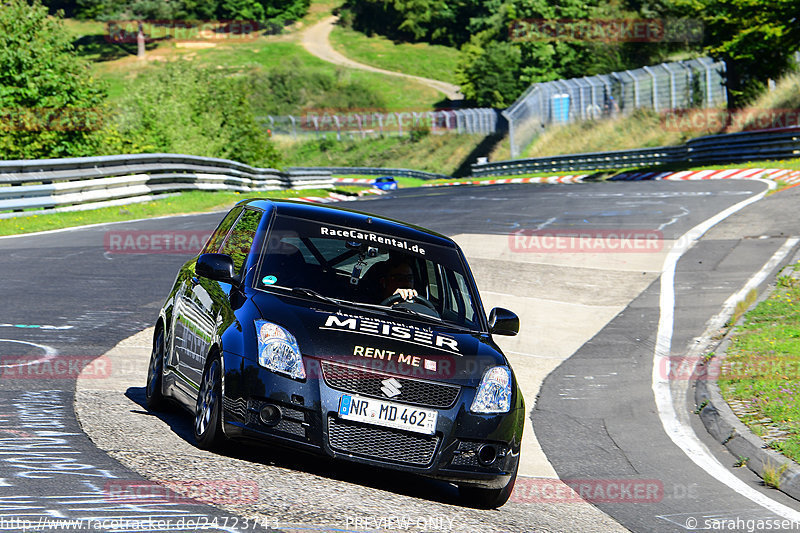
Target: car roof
column 351, row 218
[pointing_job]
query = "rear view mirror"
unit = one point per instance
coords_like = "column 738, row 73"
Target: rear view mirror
column 218, row 267
column 503, row 322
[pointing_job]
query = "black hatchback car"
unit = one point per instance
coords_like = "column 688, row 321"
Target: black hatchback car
column 287, row 329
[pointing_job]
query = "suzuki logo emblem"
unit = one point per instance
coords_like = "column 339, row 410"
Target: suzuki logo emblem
column 391, row 387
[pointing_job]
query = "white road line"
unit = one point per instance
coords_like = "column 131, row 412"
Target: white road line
column 49, row 353
column 684, row 213
column 681, row 434
column 546, row 223
column 33, row 326
column 720, row 318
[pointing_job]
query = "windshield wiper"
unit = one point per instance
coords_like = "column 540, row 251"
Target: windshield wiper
column 408, row 311
column 303, row 291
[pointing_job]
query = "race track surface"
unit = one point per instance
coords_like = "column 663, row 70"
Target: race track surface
column 590, row 317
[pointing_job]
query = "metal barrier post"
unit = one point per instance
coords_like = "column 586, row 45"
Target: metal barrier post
column 655, row 87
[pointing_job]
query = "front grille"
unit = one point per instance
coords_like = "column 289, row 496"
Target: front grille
column 368, row 383
column 381, row 443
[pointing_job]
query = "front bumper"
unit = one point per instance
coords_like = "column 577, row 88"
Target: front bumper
column 466, row 448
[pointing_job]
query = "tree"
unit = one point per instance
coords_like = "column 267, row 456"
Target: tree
column 490, row 76
column 184, row 108
column 755, row 38
column 51, row 104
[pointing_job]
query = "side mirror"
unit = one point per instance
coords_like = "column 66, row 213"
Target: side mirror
column 503, row 322
column 218, row 267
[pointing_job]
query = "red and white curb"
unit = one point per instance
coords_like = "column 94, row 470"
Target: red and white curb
column 354, row 181
column 780, row 174
column 791, row 177
column 336, row 197
column 577, row 178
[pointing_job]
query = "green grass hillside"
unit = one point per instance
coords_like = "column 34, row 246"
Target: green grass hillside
column 118, row 66
column 442, row 154
column 418, row 59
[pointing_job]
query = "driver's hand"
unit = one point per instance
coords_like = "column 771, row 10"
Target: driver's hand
column 407, row 294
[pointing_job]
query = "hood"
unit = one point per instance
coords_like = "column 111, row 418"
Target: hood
column 386, row 342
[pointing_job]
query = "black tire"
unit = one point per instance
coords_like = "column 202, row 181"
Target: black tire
column 207, row 417
column 488, row 498
column 153, row 391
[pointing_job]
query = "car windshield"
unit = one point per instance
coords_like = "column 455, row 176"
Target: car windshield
column 325, row 261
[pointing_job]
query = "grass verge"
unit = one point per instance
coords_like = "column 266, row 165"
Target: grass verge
column 443, row 153
column 761, row 372
column 187, row 202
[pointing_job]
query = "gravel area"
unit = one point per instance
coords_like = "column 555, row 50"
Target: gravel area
column 289, row 490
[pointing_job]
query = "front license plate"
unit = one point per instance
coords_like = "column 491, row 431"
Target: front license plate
column 388, row 414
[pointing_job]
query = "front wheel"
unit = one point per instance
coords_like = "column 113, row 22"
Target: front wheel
column 207, row 419
column 488, row 498
column 154, row 396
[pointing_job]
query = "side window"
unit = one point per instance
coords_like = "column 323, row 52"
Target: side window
column 240, row 239
column 215, row 241
column 433, row 286
column 464, row 294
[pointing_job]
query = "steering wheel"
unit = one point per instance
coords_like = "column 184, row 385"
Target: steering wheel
column 396, row 298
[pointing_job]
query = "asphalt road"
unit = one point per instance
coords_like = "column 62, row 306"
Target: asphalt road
column 66, row 302
column 66, row 297
column 597, row 419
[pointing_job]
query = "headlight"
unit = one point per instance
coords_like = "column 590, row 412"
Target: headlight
column 494, row 393
column 278, row 350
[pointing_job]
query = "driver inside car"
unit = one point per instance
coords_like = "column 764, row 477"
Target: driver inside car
column 397, row 278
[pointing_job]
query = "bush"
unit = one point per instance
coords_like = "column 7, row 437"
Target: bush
column 418, row 133
column 292, row 88
column 183, row 108
column 50, row 106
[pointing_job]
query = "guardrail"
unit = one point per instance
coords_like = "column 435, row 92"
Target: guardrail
column 727, row 148
column 374, row 171
column 745, row 146
column 588, row 161
column 90, row 182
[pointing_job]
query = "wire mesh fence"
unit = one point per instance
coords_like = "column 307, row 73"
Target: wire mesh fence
column 678, row 85
column 357, row 125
